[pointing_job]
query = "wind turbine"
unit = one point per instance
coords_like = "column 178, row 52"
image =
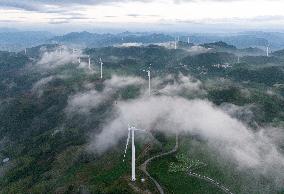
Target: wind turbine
column 188, row 40
column 73, row 51
column 267, row 51
column 149, row 79
column 101, row 62
column 89, row 58
column 131, row 133
column 175, row 43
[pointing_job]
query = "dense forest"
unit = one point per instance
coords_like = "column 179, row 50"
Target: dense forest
column 46, row 132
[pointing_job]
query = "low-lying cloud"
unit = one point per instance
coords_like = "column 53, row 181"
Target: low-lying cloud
column 84, row 102
column 39, row 85
column 226, row 135
column 178, row 85
column 57, row 58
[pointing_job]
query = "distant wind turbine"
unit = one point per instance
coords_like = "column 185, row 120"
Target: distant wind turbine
column 267, row 51
column 149, row 79
column 89, row 63
column 101, row 63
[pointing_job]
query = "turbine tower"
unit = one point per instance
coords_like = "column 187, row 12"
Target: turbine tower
column 131, row 132
column 101, row 63
column 89, row 58
column 267, row 51
column 188, row 40
column 149, row 79
column 175, row 43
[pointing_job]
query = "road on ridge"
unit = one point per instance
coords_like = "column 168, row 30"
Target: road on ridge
column 143, row 167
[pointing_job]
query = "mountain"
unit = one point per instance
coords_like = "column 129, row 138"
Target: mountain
column 87, row 39
column 242, row 39
column 252, row 51
column 8, row 30
column 16, row 41
column 53, row 113
column 220, row 46
column 239, row 40
column 279, row 53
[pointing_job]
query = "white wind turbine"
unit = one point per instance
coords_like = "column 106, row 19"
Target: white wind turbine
column 131, row 132
column 89, row 60
column 149, row 79
column 101, row 63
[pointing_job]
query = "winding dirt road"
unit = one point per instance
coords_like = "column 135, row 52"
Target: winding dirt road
column 143, row 167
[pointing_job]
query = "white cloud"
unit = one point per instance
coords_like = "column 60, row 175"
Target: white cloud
column 39, row 85
column 156, row 12
column 84, row 102
column 178, row 85
column 228, row 136
column 59, row 57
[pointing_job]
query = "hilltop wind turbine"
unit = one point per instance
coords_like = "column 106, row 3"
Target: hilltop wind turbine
column 267, row 51
column 188, row 40
column 149, row 79
column 89, row 63
column 131, row 133
column 101, row 63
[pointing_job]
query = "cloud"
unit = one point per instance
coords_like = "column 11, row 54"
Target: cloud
column 243, row 113
column 84, row 102
column 60, row 56
column 51, row 6
column 38, row 87
column 226, row 135
column 58, row 21
column 178, row 85
column 168, row 85
column 34, row 6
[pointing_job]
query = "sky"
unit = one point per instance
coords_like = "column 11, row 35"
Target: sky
column 163, row 14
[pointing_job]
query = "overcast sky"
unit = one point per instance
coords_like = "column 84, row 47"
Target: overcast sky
column 247, row 14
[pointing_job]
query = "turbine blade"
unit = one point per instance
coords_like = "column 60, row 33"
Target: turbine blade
column 140, row 130
column 127, row 142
